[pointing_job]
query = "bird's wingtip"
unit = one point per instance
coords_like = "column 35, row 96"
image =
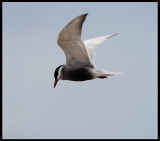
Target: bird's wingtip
column 85, row 14
column 115, row 34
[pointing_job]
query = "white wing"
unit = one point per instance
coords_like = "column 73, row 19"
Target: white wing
column 92, row 43
column 70, row 42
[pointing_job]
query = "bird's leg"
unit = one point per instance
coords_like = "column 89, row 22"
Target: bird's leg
column 102, row 77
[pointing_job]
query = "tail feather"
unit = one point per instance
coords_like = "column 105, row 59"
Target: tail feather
column 114, row 73
column 101, row 72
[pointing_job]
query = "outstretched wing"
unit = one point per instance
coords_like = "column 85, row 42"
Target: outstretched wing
column 92, row 43
column 70, row 42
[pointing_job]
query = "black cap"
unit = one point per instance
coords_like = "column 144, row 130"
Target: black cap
column 56, row 71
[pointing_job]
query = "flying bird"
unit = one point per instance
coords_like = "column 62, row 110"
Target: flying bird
column 80, row 65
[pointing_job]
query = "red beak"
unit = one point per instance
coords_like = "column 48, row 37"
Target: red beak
column 55, row 83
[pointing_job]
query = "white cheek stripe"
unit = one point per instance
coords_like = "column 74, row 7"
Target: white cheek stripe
column 59, row 73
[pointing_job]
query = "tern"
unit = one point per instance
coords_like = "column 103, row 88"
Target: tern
column 80, row 65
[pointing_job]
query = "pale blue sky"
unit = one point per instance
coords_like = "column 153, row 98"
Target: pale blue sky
column 119, row 107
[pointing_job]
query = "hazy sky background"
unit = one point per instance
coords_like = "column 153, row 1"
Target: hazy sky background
column 119, row 107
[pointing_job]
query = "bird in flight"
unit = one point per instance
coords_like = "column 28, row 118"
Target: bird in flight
column 80, row 65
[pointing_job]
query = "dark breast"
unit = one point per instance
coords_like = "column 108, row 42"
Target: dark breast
column 77, row 74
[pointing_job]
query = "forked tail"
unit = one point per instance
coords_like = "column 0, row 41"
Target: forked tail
column 100, row 73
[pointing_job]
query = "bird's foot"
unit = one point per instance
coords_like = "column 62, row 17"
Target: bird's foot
column 102, row 77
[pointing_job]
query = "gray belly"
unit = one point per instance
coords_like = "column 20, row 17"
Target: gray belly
column 77, row 74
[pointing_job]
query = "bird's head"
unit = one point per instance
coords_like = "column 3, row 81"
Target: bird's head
column 57, row 74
